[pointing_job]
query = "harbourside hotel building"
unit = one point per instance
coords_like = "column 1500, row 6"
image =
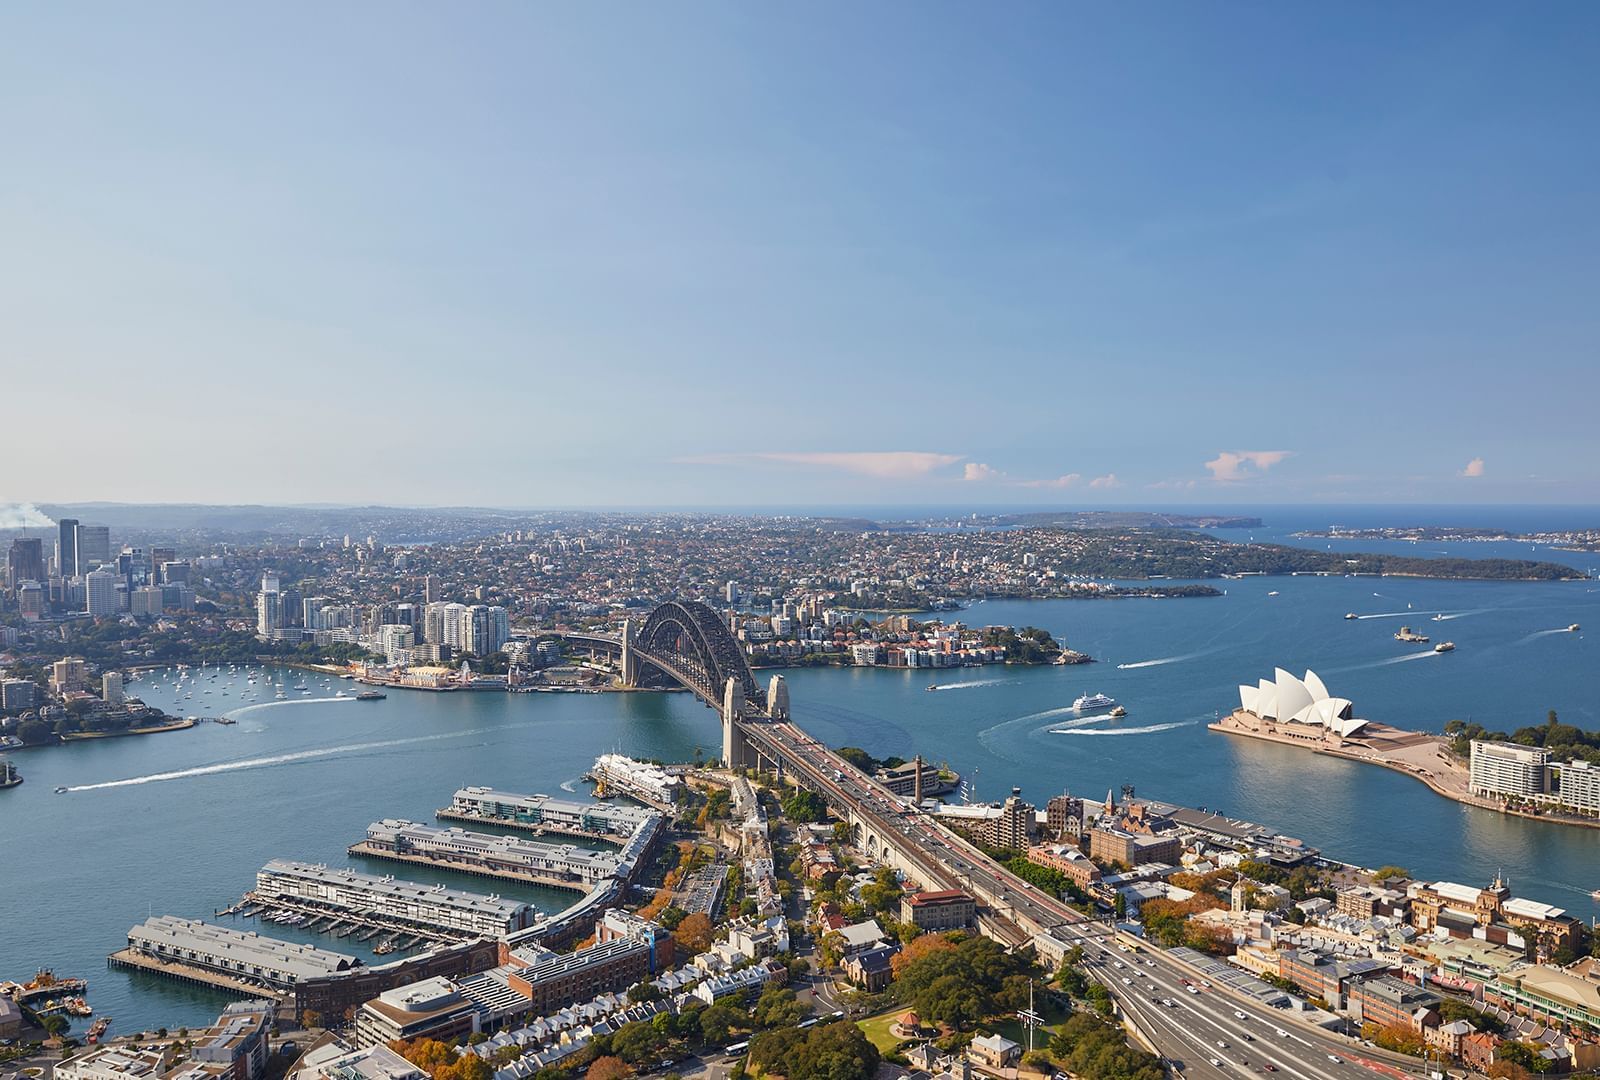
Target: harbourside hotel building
column 427, row 907
column 485, row 852
column 543, row 812
column 1515, row 773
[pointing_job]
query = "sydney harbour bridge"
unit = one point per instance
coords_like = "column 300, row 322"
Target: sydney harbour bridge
column 688, row 643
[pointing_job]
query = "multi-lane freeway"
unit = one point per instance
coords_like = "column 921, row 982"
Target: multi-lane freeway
column 1203, row 1030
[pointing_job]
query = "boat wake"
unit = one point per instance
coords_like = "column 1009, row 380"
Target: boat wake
column 1406, row 658
column 1542, row 633
column 569, row 785
column 1149, row 729
column 1167, row 660
column 973, row 685
column 276, row 759
column 236, row 713
column 1392, row 614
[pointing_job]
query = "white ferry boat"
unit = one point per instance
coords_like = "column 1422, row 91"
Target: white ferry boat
column 1093, row 703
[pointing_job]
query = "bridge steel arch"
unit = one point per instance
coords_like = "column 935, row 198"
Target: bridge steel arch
column 689, row 642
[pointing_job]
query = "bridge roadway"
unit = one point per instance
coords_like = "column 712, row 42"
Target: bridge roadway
column 1208, row 1032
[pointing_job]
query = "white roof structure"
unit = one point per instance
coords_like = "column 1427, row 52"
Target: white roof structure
column 1300, row 701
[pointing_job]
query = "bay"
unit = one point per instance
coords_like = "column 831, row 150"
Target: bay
column 179, row 823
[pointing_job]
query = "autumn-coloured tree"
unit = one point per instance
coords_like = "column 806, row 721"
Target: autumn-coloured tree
column 429, row 1055
column 925, row 945
column 694, row 933
column 607, row 1068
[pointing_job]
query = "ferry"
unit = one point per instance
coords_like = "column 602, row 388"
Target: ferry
column 371, row 695
column 1445, row 646
column 1092, row 702
column 1405, row 633
column 226, row 720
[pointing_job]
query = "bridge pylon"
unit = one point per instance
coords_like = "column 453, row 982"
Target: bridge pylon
column 778, row 699
column 630, row 662
column 735, row 751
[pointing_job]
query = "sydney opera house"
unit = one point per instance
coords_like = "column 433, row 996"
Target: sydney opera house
column 1298, row 708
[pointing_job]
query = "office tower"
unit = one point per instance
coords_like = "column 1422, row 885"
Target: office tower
column 174, row 573
column 27, row 560
column 159, row 557
column 100, row 592
column 94, row 546
column 67, row 547
column 31, row 599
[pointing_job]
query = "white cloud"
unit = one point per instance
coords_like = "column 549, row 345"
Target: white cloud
column 1172, row 485
column 1230, row 466
column 1474, row 468
column 1109, row 480
column 880, row 464
column 1065, row 480
column 980, row 473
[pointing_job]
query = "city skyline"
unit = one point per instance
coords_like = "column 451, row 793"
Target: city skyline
column 721, row 257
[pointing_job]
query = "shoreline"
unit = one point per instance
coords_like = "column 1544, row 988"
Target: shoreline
column 1458, row 797
column 89, row 736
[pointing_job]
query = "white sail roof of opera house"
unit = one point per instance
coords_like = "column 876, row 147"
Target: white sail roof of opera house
column 1300, row 701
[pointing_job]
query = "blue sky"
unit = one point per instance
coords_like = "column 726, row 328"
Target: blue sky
column 530, row 254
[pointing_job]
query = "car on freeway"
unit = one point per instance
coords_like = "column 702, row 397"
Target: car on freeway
column 1282, row 1034
column 1217, row 1062
column 1237, row 1015
column 1336, row 1059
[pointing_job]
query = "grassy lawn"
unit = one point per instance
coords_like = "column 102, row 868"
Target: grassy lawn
column 1012, row 1029
column 876, row 1028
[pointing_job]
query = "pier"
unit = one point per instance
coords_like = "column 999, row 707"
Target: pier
column 195, row 976
column 504, row 873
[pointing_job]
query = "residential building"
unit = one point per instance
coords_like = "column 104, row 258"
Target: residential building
column 111, row 688
column 31, row 600
column 19, row 694
column 1067, row 860
column 1387, row 1001
column 430, row 1009
column 1578, row 787
column 68, row 674
column 269, row 608
column 1064, row 817
column 100, row 593
column 147, row 600
column 949, row 909
column 995, row 1052
column 553, row 981
column 239, row 1040
column 1507, row 770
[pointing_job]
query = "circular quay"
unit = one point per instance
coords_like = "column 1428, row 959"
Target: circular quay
column 880, row 612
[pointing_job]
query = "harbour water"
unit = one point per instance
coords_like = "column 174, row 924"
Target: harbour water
column 179, row 823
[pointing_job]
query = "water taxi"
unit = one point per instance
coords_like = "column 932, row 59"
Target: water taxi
column 1117, row 712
